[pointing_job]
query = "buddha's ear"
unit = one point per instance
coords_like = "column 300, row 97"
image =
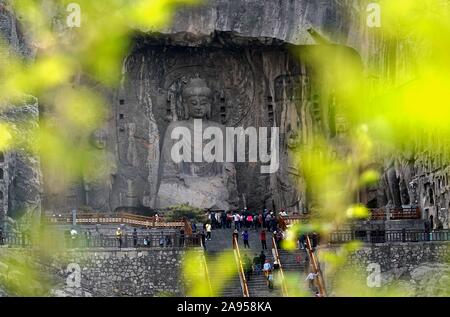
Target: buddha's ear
column 185, row 110
column 208, row 111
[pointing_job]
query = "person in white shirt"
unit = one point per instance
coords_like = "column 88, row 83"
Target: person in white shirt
column 310, row 278
column 237, row 219
column 266, row 268
column 208, row 231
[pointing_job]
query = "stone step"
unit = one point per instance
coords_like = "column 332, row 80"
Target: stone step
column 221, row 240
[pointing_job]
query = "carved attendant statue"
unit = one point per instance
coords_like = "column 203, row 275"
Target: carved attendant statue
column 97, row 177
column 200, row 184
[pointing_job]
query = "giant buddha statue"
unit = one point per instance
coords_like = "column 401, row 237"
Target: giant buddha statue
column 193, row 181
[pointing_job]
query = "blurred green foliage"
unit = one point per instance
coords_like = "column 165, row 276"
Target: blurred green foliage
column 385, row 117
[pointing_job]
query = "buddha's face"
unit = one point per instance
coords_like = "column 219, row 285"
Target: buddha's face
column 98, row 139
column 198, row 106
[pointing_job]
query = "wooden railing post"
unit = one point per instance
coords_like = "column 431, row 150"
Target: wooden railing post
column 205, row 266
column 316, row 267
column 283, row 281
column 242, row 278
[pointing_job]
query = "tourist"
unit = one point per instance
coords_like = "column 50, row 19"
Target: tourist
column 208, row 215
column 2, row 239
column 283, row 213
column 212, row 219
column 229, row 220
column 267, row 268
column 235, row 237
column 74, row 236
column 208, row 228
column 146, row 241
column 161, row 240
column 168, row 241
column 262, row 258
column 218, row 220
column 135, row 237
column 249, row 221
column 262, row 238
column 242, row 219
column 276, row 265
column 119, row 235
column 276, row 237
column 268, row 219
column 237, row 220
column 257, row 264
column 224, row 220
column 273, row 223
column 245, row 238
column 302, row 241
column 256, row 221
column 194, row 227
column 310, row 278
column 182, row 237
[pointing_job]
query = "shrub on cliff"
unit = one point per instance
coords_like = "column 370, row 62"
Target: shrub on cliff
column 179, row 212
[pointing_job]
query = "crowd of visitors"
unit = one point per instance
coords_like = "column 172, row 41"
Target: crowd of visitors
column 245, row 219
column 266, row 223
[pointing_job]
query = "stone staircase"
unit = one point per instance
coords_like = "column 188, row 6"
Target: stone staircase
column 221, row 239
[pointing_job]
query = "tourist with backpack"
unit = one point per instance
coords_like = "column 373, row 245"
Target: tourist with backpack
column 249, row 221
column 245, row 238
column 262, row 238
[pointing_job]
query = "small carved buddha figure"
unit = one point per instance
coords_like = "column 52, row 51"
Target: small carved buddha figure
column 194, row 181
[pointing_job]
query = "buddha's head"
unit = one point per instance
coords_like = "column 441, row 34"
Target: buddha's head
column 98, row 139
column 197, row 99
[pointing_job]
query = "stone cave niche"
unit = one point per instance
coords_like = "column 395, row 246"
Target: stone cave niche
column 255, row 82
column 252, row 85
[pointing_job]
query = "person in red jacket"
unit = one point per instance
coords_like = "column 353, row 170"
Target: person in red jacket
column 262, row 237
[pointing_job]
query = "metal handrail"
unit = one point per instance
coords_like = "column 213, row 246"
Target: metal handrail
column 383, row 236
column 316, row 267
column 242, row 278
column 83, row 240
column 284, row 289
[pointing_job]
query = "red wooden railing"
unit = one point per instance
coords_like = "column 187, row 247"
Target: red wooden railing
column 116, row 218
column 396, row 213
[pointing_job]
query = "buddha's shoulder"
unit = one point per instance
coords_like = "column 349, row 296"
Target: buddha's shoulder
column 214, row 124
column 176, row 124
column 190, row 124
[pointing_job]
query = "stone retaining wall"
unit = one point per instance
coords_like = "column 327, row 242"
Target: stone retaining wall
column 419, row 269
column 126, row 272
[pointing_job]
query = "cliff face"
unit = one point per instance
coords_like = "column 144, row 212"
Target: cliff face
column 21, row 183
column 12, row 34
column 241, row 48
